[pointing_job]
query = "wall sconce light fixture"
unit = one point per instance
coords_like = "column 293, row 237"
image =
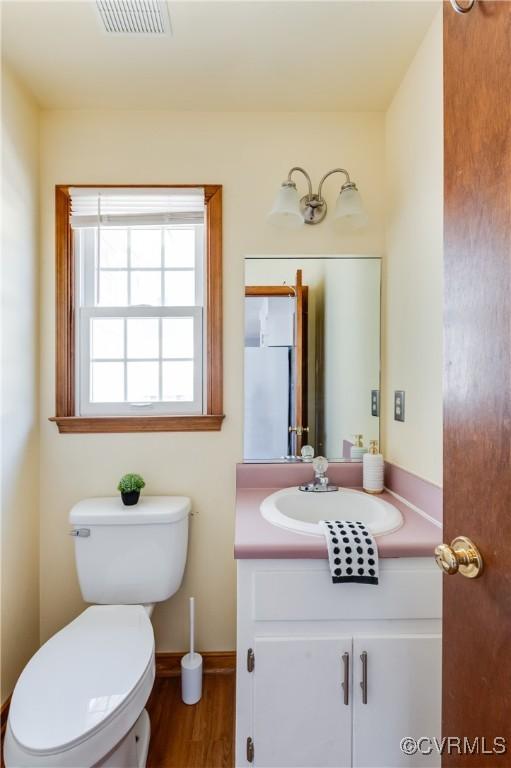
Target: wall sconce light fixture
column 290, row 212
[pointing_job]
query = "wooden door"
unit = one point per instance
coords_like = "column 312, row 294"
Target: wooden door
column 477, row 379
column 300, row 364
column 403, row 678
column 300, row 718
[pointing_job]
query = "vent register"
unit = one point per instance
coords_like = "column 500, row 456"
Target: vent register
column 134, row 17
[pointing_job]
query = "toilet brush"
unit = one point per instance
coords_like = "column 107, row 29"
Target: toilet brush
column 191, row 666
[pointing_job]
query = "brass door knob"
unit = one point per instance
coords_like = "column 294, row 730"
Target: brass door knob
column 299, row 430
column 462, row 555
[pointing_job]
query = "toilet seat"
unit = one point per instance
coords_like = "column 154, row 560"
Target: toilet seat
column 83, row 690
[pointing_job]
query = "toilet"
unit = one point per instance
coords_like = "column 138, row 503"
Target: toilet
column 80, row 701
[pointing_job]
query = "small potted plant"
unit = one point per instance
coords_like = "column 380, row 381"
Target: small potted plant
column 130, row 486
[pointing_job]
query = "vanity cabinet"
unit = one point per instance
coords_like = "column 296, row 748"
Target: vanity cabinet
column 300, row 718
column 336, row 675
column 404, row 683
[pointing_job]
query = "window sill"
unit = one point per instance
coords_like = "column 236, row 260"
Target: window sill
column 86, row 424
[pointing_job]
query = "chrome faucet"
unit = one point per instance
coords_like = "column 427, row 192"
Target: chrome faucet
column 320, row 483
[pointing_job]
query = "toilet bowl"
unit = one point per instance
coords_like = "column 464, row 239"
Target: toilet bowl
column 83, row 691
column 79, row 702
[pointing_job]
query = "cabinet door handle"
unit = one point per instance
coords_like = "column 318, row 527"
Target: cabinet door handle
column 346, row 680
column 363, row 684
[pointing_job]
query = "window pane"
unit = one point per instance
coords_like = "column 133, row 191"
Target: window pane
column 179, row 289
column 107, row 337
column 143, row 338
column 107, row 382
column 142, row 382
column 113, row 248
column 178, row 337
column 177, row 381
column 146, row 288
column 146, row 247
column 180, row 248
column 113, row 289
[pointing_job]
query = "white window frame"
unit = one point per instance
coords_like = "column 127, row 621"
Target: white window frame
column 86, row 311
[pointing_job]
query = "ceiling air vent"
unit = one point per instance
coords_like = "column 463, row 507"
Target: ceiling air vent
column 134, row 17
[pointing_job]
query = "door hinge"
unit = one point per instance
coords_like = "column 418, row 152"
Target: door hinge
column 250, row 750
column 250, row 660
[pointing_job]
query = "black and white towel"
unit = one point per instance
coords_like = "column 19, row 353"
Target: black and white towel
column 352, row 552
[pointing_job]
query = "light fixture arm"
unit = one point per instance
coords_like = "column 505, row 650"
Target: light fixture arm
column 301, row 170
column 335, row 170
column 311, row 208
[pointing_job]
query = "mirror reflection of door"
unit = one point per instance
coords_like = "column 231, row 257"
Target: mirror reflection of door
column 275, row 370
column 300, row 428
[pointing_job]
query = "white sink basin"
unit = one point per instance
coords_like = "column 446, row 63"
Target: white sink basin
column 301, row 512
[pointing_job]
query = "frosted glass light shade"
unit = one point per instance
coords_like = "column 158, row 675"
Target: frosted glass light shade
column 349, row 208
column 286, row 213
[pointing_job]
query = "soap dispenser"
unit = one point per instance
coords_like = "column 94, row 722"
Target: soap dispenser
column 357, row 449
column 373, row 469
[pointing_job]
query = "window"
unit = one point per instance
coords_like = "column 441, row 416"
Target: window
column 139, row 265
column 138, row 309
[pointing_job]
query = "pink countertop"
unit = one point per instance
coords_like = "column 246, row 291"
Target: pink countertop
column 256, row 538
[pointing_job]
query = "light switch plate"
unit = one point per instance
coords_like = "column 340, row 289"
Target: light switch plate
column 399, row 405
column 375, row 402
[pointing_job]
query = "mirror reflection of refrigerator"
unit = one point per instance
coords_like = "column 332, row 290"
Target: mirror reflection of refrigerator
column 267, row 383
column 269, row 336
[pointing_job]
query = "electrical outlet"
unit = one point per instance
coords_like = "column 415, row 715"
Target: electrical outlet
column 375, row 402
column 399, row 405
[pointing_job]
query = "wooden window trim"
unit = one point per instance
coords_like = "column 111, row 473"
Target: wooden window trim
column 65, row 405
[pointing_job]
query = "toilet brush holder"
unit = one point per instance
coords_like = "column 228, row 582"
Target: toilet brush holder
column 191, row 678
column 191, row 666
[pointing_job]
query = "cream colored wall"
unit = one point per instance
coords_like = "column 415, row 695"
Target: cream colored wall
column 20, row 378
column 249, row 154
column 412, row 318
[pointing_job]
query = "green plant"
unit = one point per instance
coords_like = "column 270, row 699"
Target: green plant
column 130, row 482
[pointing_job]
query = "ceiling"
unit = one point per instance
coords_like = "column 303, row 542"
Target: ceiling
column 224, row 56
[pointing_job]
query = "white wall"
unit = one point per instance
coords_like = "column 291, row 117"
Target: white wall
column 20, row 378
column 412, row 319
column 352, row 351
column 249, row 154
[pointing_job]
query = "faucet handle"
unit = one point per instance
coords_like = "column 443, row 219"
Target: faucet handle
column 307, row 453
column 320, row 465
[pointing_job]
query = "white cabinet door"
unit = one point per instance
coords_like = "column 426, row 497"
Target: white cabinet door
column 403, row 699
column 300, row 718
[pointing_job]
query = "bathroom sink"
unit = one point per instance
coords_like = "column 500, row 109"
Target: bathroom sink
column 301, row 512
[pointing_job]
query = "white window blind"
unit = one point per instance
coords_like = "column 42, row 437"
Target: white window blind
column 119, row 207
column 140, row 310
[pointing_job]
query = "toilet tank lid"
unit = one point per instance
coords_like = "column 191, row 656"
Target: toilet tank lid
column 109, row 510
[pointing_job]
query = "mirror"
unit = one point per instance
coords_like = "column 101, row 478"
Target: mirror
column 312, row 355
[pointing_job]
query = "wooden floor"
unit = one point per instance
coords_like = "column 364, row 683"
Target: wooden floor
column 198, row 736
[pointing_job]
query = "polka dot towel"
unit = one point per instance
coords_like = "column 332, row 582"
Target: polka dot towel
column 352, row 552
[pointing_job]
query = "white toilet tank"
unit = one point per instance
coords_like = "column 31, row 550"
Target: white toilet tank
column 130, row 555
